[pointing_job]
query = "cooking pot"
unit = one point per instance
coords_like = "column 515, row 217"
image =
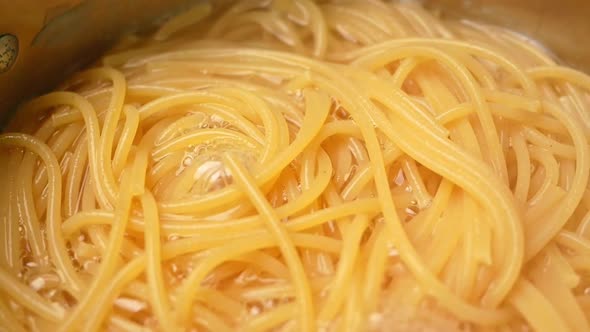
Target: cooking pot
column 41, row 42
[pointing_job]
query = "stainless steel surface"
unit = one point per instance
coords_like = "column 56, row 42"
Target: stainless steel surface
column 58, row 36
column 562, row 26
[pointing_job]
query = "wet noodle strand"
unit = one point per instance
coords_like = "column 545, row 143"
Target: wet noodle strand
column 300, row 166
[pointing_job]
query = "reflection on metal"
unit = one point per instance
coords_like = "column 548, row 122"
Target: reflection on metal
column 57, row 37
column 561, row 26
column 8, row 51
column 59, row 20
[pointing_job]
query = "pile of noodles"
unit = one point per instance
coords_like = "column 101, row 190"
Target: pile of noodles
column 302, row 166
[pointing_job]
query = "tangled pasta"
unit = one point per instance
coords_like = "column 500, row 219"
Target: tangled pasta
column 308, row 166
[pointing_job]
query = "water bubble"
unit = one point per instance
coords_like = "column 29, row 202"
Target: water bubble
column 245, row 277
column 340, row 112
column 37, row 283
column 350, row 173
column 269, row 303
column 393, row 252
column 31, row 264
column 211, row 175
column 44, row 281
column 130, row 304
column 268, row 280
column 216, row 119
column 410, row 211
column 375, row 319
column 254, row 310
column 284, row 198
column 299, row 94
column 331, row 226
column 187, row 161
column 51, row 294
column 207, row 167
column 399, row 178
column 274, row 79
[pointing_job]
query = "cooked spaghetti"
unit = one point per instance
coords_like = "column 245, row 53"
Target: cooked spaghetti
column 302, row 166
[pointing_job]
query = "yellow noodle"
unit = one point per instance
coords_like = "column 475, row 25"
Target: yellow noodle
column 307, row 321
column 465, row 279
column 271, row 319
column 209, row 320
column 159, row 298
column 58, row 144
column 108, row 264
column 126, row 140
column 220, row 302
column 57, row 248
column 280, row 290
column 413, row 176
column 8, row 320
column 26, row 205
column 555, row 291
column 28, row 298
column 123, row 324
column 302, row 165
column 523, row 161
column 353, row 318
column 536, row 309
column 214, row 228
column 375, row 265
column 11, row 251
column 267, row 263
column 573, row 241
column 557, row 219
column 74, row 180
column 342, row 277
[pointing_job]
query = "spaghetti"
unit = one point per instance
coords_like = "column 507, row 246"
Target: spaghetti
column 302, row 166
